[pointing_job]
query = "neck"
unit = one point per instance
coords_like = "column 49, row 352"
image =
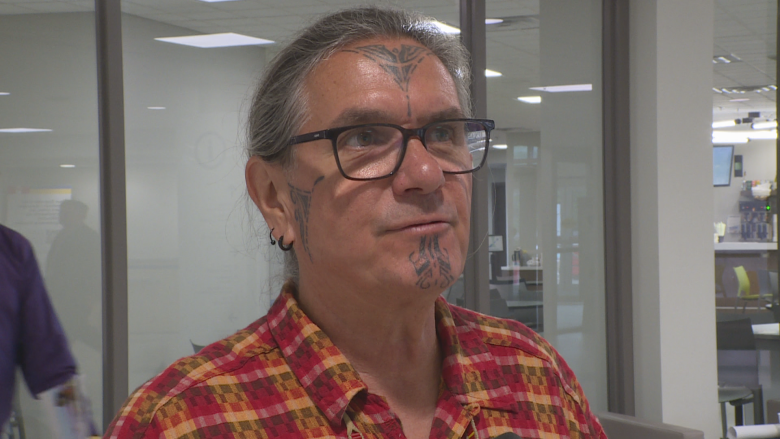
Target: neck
column 393, row 346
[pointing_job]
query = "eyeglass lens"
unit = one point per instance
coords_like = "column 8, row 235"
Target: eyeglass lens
column 372, row 151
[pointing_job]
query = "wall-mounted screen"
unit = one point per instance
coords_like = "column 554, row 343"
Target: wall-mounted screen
column 722, row 159
column 495, row 243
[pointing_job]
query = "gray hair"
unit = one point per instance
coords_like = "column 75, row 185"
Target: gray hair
column 278, row 108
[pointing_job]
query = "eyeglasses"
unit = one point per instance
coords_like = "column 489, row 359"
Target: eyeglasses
column 375, row 151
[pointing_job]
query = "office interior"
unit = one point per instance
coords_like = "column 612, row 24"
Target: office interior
column 198, row 263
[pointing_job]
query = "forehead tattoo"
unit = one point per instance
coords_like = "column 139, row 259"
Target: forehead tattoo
column 399, row 63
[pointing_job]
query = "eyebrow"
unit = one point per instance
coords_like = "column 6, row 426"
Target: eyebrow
column 358, row 116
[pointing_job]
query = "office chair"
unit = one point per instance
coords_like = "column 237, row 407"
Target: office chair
column 744, row 289
column 738, row 371
column 197, row 347
column 498, row 306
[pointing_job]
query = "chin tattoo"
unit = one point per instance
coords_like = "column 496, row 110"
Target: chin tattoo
column 432, row 264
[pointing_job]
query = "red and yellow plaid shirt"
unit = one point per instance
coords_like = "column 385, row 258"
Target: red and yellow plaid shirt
column 282, row 377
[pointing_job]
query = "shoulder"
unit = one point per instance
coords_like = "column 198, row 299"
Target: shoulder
column 514, row 344
column 13, row 245
column 181, row 390
column 18, row 266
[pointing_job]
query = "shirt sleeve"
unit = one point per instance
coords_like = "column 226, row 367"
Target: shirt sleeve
column 44, row 356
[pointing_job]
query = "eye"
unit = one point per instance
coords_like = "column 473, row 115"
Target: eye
column 364, row 138
column 360, row 138
column 441, row 134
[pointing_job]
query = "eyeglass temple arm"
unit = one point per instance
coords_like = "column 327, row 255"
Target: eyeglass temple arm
column 309, row 137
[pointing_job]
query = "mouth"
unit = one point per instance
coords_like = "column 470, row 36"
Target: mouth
column 428, row 225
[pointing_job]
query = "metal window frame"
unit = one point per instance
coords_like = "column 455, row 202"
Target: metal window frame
column 476, row 276
column 113, row 209
column 617, row 207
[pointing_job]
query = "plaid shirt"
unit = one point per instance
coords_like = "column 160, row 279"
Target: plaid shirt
column 282, row 377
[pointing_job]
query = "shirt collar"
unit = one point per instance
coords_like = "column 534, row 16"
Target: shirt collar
column 470, row 370
column 325, row 373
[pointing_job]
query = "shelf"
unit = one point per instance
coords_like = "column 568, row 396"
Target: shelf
column 745, row 246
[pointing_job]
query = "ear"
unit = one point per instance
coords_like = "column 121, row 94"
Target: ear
column 267, row 186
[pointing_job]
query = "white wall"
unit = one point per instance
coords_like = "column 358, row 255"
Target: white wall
column 671, row 200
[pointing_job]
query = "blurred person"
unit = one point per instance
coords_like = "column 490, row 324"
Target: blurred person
column 31, row 337
column 73, row 275
column 361, row 149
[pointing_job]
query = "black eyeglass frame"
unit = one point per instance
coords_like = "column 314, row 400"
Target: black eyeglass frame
column 408, row 133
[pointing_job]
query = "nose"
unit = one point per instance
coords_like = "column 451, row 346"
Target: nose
column 419, row 171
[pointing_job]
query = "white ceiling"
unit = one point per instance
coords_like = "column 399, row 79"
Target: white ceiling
column 743, row 28
column 748, row 30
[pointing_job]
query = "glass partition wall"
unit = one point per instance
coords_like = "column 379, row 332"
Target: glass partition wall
column 545, row 189
column 744, row 137
column 49, row 189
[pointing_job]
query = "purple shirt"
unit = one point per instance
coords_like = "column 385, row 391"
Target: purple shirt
column 30, row 334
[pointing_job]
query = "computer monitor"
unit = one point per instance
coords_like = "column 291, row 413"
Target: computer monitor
column 722, row 161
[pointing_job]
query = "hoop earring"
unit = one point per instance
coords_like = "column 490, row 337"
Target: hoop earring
column 284, row 247
column 271, row 233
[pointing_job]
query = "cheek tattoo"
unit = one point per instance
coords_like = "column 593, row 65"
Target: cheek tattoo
column 399, row 63
column 432, row 264
column 302, row 201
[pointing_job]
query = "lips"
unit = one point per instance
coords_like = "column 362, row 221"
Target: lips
column 421, row 224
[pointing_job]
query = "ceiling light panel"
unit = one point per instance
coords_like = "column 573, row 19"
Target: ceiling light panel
column 564, row 88
column 216, row 40
column 530, row 99
column 24, row 130
column 446, row 28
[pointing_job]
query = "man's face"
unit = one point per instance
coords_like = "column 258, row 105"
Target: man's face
column 405, row 233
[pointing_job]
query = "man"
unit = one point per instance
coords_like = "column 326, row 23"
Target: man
column 30, row 334
column 360, row 158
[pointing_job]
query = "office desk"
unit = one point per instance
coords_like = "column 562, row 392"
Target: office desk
column 523, row 304
column 531, row 275
column 767, row 336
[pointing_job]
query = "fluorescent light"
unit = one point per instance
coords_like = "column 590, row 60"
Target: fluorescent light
column 739, row 100
column 724, row 123
column 24, row 130
column 218, row 1
column 764, row 125
column 729, row 137
column 216, row 40
column 565, row 88
column 717, row 90
column 762, row 134
column 492, row 73
column 67, row 166
column 501, row 146
column 493, row 21
column 530, row 99
column 159, row 108
column 446, row 28
column 729, row 140
column 3, row 93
